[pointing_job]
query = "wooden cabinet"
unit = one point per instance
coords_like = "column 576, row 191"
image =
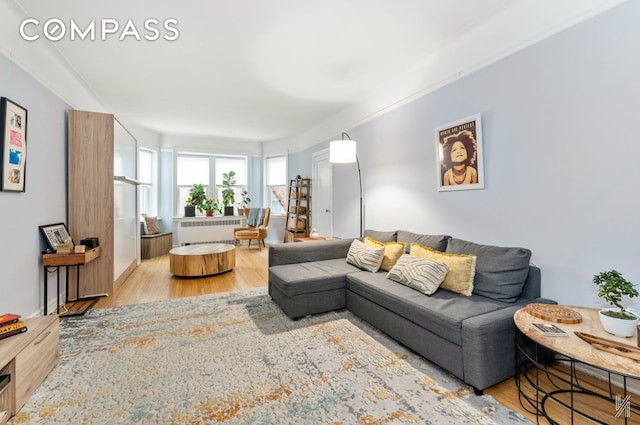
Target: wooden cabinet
column 91, row 196
column 298, row 209
column 27, row 358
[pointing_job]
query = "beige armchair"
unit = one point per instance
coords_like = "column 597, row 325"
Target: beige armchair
column 258, row 232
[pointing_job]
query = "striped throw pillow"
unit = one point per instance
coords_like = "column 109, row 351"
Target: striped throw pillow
column 392, row 251
column 363, row 257
column 421, row 274
column 462, row 268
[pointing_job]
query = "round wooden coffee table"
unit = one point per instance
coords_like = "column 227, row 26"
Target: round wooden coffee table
column 202, row 259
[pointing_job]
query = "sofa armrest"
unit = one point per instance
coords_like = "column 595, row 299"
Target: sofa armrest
column 488, row 347
column 302, row 252
column 531, row 288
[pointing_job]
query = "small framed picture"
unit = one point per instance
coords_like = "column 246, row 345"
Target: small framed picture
column 55, row 234
column 459, row 155
column 13, row 133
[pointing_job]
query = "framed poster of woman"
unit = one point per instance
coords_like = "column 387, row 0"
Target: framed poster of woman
column 459, row 155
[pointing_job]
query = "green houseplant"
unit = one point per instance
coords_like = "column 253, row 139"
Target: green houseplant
column 197, row 197
column 244, row 202
column 612, row 286
column 210, row 206
column 195, row 200
column 228, row 192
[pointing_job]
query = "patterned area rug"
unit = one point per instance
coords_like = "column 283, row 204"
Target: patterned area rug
column 235, row 358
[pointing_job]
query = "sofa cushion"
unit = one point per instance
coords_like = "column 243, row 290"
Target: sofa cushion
column 365, row 257
column 437, row 242
column 500, row 272
column 390, row 236
column 421, row 274
column 442, row 313
column 462, row 267
column 392, row 251
column 311, row 277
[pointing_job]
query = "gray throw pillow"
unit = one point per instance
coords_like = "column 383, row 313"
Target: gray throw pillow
column 390, row 236
column 421, row 274
column 363, row 257
column 437, row 242
column 500, row 271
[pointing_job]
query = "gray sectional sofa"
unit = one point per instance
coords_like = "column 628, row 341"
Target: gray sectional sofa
column 472, row 337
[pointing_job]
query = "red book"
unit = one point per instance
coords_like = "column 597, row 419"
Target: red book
column 16, row 332
column 9, row 318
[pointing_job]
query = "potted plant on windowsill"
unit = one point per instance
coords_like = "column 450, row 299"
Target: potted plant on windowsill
column 228, row 192
column 189, row 208
column 195, row 201
column 210, row 206
column 244, row 202
column 612, row 287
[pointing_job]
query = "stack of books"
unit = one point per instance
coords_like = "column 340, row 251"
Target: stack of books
column 10, row 324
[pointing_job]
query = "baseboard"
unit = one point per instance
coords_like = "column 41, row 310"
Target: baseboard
column 124, row 275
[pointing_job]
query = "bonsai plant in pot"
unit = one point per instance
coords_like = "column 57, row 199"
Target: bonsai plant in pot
column 228, row 192
column 244, row 202
column 612, row 287
column 210, row 206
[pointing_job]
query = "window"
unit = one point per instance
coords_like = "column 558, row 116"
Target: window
column 148, row 177
column 207, row 170
column 223, row 166
column 276, row 183
column 190, row 169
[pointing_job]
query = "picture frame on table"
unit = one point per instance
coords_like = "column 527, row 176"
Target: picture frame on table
column 13, row 156
column 55, row 234
column 459, row 161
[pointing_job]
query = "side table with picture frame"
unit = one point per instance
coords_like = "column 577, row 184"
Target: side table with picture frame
column 61, row 252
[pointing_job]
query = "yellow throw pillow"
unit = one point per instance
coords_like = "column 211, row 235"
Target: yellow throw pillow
column 462, row 268
column 392, row 251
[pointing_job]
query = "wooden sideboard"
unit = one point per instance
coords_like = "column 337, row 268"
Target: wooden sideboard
column 27, row 358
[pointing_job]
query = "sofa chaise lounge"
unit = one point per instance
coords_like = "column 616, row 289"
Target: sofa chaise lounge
column 472, row 337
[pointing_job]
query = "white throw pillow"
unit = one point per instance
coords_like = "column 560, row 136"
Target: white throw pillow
column 366, row 258
column 419, row 273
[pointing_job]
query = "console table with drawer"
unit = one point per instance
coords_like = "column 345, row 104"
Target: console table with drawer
column 27, row 358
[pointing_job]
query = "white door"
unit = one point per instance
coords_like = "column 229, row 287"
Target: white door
column 322, row 194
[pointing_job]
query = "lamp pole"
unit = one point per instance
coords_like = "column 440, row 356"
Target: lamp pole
column 361, row 204
column 344, row 152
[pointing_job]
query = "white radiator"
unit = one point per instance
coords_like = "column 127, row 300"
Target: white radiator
column 194, row 230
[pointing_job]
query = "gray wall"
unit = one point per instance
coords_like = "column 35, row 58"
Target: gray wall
column 44, row 201
column 559, row 150
column 560, row 153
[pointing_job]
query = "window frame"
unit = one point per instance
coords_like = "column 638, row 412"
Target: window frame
column 268, row 192
column 211, row 186
column 149, row 190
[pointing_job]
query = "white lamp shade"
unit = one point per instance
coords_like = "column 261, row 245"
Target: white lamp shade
column 342, row 151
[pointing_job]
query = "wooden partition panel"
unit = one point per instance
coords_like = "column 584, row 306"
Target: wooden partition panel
column 90, row 173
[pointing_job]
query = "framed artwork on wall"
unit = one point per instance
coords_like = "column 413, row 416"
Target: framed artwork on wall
column 459, row 155
column 13, row 130
column 55, row 234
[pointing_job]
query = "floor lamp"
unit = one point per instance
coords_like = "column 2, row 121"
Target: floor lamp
column 344, row 152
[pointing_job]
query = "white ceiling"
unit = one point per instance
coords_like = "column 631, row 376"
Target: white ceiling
column 260, row 70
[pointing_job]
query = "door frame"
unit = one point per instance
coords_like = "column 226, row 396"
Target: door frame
column 315, row 209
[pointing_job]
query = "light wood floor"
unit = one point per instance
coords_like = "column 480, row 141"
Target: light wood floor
column 153, row 282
